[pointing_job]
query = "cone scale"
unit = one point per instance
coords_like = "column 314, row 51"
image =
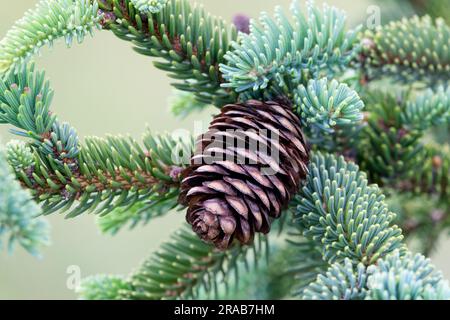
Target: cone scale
column 245, row 170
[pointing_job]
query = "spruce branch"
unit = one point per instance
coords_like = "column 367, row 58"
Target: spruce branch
column 102, row 174
column 191, row 42
column 49, row 21
column 112, row 172
column 422, row 217
column 388, row 149
column 326, row 215
column 348, row 217
column 432, row 177
column 141, row 213
column 19, row 221
column 325, row 105
column 396, row 277
column 256, row 280
column 278, row 55
column 25, row 99
column 103, row 287
column 184, row 267
column 434, row 8
column 342, row 222
column 393, row 149
column 152, row 6
column 342, row 281
column 183, row 104
column 391, row 146
column 430, row 109
column 409, row 277
column 415, row 49
column 19, row 155
column 305, row 263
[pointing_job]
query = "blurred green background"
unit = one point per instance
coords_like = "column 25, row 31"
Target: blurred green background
column 103, row 87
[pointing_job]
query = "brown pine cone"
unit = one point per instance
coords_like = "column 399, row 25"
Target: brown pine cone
column 233, row 189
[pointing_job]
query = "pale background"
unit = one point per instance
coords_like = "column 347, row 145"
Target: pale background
column 102, row 87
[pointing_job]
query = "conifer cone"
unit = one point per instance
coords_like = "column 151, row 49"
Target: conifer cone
column 233, row 190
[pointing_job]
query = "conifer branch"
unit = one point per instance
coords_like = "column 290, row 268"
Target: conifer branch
column 184, row 267
column 260, row 280
column 342, row 281
column 191, row 42
column 278, row 55
column 49, row 21
column 415, row 279
column 19, row 221
column 110, row 173
column 430, row 109
column 305, row 263
column 378, row 267
column 183, row 104
column 434, row 8
column 390, row 147
column 19, row 155
column 397, row 277
column 152, row 6
column 139, row 214
column 338, row 209
column 423, row 218
column 342, row 223
column 100, row 175
column 432, row 177
column 325, row 105
column 25, row 99
column 415, row 49
column 103, row 287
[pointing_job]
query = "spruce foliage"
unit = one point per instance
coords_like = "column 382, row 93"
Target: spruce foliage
column 19, row 221
column 378, row 173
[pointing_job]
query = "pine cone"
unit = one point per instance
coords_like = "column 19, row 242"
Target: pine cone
column 239, row 194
